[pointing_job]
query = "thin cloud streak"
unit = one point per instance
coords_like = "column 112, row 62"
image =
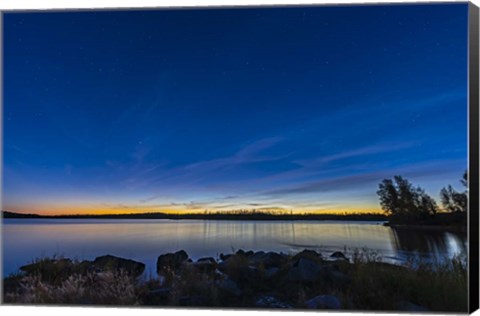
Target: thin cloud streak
column 359, row 180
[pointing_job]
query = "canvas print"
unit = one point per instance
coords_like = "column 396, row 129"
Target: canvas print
column 300, row 158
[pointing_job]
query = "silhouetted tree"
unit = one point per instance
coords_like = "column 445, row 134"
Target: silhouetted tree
column 399, row 198
column 464, row 180
column 454, row 201
column 427, row 205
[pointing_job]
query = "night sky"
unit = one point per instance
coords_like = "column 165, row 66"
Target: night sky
column 303, row 109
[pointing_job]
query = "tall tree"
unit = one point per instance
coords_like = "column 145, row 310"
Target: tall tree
column 398, row 197
column 454, row 201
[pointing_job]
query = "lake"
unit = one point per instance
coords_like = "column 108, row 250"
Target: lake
column 144, row 240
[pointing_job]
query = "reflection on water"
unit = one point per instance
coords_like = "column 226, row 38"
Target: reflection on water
column 144, row 240
column 429, row 244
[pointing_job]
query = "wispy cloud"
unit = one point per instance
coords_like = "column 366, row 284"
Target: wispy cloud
column 359, row 152
column 248, row 154
column 192, row 173
column 361, row 180
column 340, row 183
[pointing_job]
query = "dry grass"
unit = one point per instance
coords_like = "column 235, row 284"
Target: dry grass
column 107, row 288
column 198, row 286
column 372, row 285
column 435, row 286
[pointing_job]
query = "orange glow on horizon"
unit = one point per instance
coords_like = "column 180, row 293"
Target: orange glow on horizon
column 93, row 210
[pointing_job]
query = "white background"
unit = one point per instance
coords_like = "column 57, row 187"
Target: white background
column 57, row 4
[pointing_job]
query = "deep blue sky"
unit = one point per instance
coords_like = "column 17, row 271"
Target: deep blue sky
column 299, row 108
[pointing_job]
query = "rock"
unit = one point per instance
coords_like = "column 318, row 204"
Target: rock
column 112, row 263
column 233, row 264
column 338, row 255
column 181, row 255
column 268, row 260
column 240, row 252
column 171, row 261
column 222, row 266
column 238, row 270
column 207, row 259
column 87, row 266
column 324, row 302
column 304, row 270
column 269, row 301
column 205, row 265
column 229, row 287
column 224, row 257
column 256, row 258
column 410, row 307
column 48, row 266
column 219, row 273
column 309, row 254
column 248, row 274
column 273, row 259
column 258, row 255
column 271, row 272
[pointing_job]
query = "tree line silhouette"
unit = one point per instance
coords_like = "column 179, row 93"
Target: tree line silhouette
column 404, row 202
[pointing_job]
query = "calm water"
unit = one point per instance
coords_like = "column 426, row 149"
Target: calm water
column 145, row 240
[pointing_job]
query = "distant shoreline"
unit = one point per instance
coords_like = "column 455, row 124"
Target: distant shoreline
column 211, row 216
column 442, row 221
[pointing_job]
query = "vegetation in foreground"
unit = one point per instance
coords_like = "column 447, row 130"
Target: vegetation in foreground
column 250, row 279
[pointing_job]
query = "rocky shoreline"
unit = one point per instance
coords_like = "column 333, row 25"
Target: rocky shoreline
column 244, row 279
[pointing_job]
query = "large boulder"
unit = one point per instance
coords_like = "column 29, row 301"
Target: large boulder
column 50, row 270
column 46, row 266
column 241, row 252
column 228, row 287
column 247, row 275
column 224, row 257
column 112, row 263
column 233, row 263
column 207, row 259
column 308, row 254
column 257, row 255
column 324, row 302
column 304, row 270
column 338, row 255
column 268, row 260
column 249, row 253
column 309, row 271
column 271, row 273
column 171, row 261
column 205, row 265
